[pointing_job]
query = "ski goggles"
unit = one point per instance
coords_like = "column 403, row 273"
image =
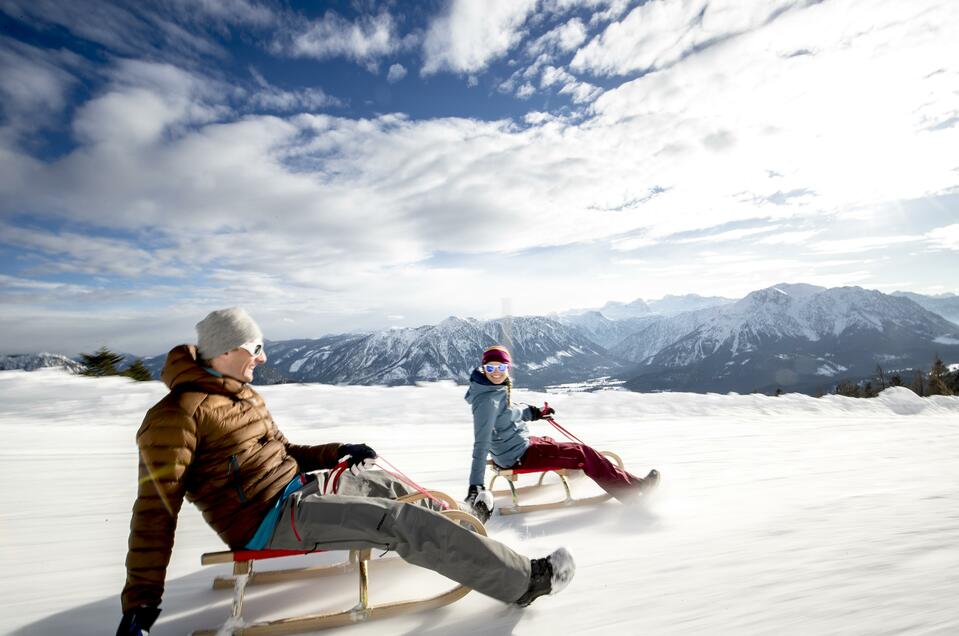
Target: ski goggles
column 492, row 368
column 253, row 348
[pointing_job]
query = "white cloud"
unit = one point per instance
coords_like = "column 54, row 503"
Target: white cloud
column 396, row 73
column 229, row 11
column 659, row 33
column 570, row 35
column 862, row 244
column 553, row 75
column 146, row 100
column 738, row 113
column 319, row 214
column 631, row 243
column 75, row 252
column 799, row 237
column 581, row 92
column 365, row 40
column 613, row 8
column 269, row 97
column 946, row 237
column 729, row 235
column 471, row 34
column 539, row 117
column 152, row 30
column 34, row 83
column 563, row 38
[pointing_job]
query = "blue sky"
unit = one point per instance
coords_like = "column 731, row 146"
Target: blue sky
column 356, row 165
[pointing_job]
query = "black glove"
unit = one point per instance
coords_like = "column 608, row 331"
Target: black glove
column 539, row 413
column 138, row 621
column 355, row 455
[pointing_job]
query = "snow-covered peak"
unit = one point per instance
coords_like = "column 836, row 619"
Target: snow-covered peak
column 782, row 294
column 670, row 305
column 946, row 305
column 803, row 312
column 617, row 310
column 33, row 361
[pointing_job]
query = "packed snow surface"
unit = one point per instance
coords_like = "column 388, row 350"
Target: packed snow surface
column 788, row 515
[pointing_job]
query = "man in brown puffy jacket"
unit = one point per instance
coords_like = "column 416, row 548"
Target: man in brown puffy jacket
column 212, row 441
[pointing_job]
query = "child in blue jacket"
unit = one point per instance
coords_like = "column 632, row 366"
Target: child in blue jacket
column 500, row 432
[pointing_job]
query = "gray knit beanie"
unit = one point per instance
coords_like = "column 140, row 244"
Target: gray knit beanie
column 224, row 330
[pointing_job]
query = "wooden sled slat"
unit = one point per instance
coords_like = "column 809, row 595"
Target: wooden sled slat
column 264, row 577
column 512, row 475
column 555, row 504
column 359, row 561
column 317, row 622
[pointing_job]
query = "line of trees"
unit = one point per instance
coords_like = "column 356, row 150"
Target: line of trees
column 104, row 362
column 939, row 381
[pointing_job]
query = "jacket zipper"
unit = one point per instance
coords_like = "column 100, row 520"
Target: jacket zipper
column 234, row 475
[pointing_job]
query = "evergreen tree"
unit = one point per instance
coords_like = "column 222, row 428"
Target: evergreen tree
column 138, row 371
column 895, row 380
column 847, row 388
column 951, row 380
column 918, row 383
column 101, row 363
column 937, row 379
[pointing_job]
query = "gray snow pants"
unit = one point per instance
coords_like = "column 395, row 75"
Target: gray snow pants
column 363, row 515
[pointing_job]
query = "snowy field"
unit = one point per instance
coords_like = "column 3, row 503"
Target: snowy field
column 786, row 515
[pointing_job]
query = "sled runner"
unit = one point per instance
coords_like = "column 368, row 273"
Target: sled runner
column 359, row 561
column 511, row 475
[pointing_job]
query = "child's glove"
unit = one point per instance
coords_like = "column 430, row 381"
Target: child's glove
column 540, row 413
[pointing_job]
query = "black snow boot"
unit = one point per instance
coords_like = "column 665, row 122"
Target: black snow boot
column 480, row 510
column 548, row 576
column 480, row 502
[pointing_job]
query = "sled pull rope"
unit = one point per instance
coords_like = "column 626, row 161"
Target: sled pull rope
column 549, row 418
column 409, row 482
column 335, row 477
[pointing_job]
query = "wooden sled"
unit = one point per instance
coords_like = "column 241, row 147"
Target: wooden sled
column 511, row 476
column 359, row 560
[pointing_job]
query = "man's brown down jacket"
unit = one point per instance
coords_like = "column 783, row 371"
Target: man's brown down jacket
column 211, row 440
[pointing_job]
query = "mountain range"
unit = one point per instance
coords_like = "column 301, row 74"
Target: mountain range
column 793, row 337
column 946, row 305
column 797, row 338
column 34, row 361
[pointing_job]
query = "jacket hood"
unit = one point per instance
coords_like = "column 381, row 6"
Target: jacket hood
column 183, row 370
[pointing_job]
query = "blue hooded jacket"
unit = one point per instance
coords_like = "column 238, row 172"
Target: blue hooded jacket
column 499, row 429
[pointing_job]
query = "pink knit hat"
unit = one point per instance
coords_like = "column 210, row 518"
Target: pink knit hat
column 496, row 353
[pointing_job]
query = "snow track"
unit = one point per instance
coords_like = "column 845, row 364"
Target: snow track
column 786, row 515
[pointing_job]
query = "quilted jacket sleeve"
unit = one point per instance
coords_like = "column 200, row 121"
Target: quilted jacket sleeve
column 167, row 442
column 309, row 458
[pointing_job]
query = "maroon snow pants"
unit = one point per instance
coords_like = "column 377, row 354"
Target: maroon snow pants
column 545, row 452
